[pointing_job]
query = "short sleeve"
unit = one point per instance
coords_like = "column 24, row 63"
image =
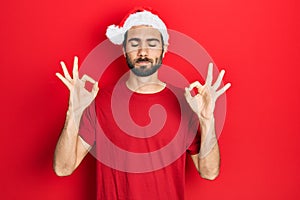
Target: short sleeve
column 87, row 127
column 194, row 148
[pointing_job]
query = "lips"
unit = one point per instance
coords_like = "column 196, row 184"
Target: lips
column 143, row 61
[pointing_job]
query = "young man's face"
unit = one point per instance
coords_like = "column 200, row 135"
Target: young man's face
column 143, row 50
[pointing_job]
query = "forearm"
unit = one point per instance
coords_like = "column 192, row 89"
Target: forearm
column 203, row 104
column 66, row 149
column 209, row 155
column 70, row 151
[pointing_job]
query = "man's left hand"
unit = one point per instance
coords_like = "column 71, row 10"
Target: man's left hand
column 203, row 103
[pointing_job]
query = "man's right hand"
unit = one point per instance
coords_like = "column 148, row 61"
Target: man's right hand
column 80, row 97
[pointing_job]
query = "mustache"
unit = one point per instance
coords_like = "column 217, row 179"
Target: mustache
column 143, row 60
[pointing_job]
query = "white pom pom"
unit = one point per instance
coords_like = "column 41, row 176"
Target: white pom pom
column 115, row 34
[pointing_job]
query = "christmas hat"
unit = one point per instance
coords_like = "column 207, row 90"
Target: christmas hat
column 138, row 16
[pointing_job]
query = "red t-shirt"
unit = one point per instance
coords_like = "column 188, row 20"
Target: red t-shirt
column 140, row 141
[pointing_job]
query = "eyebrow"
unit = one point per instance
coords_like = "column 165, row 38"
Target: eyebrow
column 153, row 39
column 148, row 40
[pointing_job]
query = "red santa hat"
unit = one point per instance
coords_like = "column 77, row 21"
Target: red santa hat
column 138, row 16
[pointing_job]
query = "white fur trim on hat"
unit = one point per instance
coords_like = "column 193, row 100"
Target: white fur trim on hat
column 116, row 34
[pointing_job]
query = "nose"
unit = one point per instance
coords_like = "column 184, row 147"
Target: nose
column 143, row 51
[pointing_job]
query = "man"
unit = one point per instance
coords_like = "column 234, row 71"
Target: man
column 159, row 175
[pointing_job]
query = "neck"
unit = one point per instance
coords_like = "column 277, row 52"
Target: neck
column 145, row 85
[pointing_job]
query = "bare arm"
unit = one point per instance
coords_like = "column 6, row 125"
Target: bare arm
column 70, row 148
column 207, row 161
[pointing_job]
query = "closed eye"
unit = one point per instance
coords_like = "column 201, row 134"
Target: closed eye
column 153, row 42
column 134, row 44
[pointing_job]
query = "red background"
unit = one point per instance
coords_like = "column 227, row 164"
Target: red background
column 256, row 41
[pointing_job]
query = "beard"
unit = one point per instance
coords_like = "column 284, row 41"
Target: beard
column 143, row 70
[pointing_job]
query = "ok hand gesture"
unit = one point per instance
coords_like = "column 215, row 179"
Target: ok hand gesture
column 80, row 97
column 203, row 103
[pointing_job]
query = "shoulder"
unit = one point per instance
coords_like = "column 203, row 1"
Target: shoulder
column 177, row 92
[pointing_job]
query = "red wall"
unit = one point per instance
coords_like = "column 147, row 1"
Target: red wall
column 256, row 41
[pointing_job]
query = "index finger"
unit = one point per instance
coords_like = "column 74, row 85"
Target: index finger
column 195, row 84
column 187, row 93
column 88, row 78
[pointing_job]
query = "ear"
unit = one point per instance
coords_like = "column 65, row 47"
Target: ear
column 124, row 52
column 165, row 50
